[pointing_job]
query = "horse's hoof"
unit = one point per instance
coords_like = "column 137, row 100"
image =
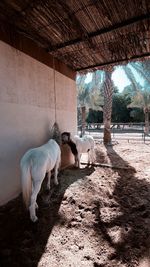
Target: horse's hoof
column 34, row 219
column 76, row 166
column 48, row 188
column 47, row 191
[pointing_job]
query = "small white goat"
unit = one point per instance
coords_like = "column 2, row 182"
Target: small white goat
column 34, row 165
column 80, row 145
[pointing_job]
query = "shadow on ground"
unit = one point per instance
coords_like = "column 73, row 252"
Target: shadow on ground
column 124, row 220
column 22, row 242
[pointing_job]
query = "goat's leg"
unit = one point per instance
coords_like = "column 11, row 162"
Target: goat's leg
column 33, row 204
column 89, row 156
column 49, row 180
column 78, row 160
column 93, row 155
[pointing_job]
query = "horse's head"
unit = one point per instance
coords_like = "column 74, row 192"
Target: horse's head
column 65, row 137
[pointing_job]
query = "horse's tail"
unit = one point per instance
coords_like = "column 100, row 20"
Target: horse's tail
column 26, row 182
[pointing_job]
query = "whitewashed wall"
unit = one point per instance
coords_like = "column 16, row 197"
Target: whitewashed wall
column 27, row 110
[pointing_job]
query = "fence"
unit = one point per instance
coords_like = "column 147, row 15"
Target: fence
column 120, row 131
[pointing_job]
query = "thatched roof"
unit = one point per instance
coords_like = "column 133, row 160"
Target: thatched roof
column 84, row 34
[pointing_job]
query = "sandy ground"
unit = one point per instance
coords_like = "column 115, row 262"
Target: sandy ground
column 96, row 217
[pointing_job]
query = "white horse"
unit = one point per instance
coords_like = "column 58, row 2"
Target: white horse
column 34, row 165
column 80, row 145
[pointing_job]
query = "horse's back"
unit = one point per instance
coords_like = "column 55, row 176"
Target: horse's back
column 54, row 148
column 41, row 157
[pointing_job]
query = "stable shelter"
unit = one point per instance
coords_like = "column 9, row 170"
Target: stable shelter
column 43, row 44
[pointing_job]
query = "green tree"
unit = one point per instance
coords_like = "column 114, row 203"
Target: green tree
column 141, row 95
column 82, row 99
column 89, row 95
column 120, row 112
column 94, row 116
column 136, row 115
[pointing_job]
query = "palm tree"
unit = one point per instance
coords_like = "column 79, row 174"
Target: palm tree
column 83, row 100
column 96, row 93
column 142, row 100
column 141, row 96
column 89, row 95
column 107, row 108
column 98, row 96
column 143, row 69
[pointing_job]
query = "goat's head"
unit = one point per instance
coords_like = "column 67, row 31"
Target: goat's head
column 65, row 137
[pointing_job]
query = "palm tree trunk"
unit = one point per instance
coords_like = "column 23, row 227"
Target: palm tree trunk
column 146, row 112
column 107, row 109
column 83, row 115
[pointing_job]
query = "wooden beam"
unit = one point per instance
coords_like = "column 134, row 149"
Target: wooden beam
column 104, row 165
column 75, row 22
column 112, row 28
column 116, row 62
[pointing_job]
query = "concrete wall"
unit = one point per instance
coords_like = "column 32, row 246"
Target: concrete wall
column 27, row 110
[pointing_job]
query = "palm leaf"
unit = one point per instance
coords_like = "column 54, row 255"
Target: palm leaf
column 143, row 70
column 131, row 77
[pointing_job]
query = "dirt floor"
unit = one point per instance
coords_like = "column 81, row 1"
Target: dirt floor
column 97, row 216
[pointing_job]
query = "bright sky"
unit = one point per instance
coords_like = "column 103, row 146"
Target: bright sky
column 88, row 78
column 119, row 77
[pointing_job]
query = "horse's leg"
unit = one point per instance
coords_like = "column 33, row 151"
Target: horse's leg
column 33, row 204
column 56, row 171
column 49, row 180
column 36, row 205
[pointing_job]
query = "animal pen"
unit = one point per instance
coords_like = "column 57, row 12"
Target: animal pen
column 130, row 132
column 96, row 216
